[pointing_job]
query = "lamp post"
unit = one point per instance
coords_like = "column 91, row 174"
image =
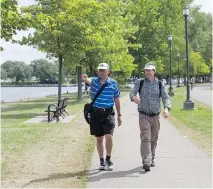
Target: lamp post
column 188, row 104
column 171, row 93
column 185, row 73
column 192, row 69
column 178, row 56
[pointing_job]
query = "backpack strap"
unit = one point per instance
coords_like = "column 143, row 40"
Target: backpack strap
column 141, row 85
column 160, row 84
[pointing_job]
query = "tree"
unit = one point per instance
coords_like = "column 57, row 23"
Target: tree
column 27, row 71
column 16, row 70
column 200, row 33
column 198, row 65
column 3, row 74
column 45, row 71
column 109, row 26
column 56, row 31
column 7, row 66
column 11, row 19
column 155, row 20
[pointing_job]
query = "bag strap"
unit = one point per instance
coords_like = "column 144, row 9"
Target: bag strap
column 98, row 93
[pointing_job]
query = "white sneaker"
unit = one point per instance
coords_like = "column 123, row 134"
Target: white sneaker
column 102, row 166
column 109, row 165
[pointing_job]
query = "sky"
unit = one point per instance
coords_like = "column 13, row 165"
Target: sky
column 26, row 54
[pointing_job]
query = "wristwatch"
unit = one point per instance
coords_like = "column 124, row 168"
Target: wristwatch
column 119, row 114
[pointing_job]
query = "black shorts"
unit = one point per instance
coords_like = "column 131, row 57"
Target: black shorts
column 102, row 123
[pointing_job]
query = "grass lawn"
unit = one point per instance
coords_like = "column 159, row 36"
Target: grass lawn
column 196, row 124
column 17, row 137
column 16, row 134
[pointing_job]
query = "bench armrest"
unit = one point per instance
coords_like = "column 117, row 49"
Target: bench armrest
column 52, row 106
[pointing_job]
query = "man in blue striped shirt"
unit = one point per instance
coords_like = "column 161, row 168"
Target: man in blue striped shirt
column 102, row 117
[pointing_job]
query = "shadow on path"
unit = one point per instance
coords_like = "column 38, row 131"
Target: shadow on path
column 92, row 175
column 118, row 174
column 62, row 176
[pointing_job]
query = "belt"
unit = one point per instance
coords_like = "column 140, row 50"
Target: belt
column 96, row 109
column 149, row 114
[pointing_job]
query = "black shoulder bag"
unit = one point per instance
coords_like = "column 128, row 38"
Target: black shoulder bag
column 88, row 106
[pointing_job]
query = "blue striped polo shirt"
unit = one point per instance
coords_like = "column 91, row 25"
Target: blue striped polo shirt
column 106, row 98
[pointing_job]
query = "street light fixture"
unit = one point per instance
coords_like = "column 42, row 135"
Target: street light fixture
column 171, row 93
column 178, row 56
column 188, row 104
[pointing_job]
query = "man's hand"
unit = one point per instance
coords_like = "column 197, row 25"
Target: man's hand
column 136, row 100
column 166, row 113
column 84, row 77
column 119, row 120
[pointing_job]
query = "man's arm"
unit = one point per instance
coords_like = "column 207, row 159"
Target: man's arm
column 134, row 92
column 166, row 101
column 117, row 105
column 86, row 79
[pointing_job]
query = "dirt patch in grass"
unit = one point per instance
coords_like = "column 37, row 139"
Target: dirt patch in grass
column 44, row 155
column 59, row 160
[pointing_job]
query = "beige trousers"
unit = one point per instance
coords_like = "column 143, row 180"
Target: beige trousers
column 149, row 130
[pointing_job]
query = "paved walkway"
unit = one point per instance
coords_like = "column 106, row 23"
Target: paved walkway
column 202, row 93
column 179, row 163
column 44, row 119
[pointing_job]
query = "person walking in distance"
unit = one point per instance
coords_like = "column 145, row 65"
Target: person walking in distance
column 150, row 91
column 102, row 122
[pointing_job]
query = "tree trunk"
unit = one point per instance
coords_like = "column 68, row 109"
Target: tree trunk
column 79, row 83
column 59, row 76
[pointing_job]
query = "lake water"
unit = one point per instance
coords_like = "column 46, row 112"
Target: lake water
column 9, row 94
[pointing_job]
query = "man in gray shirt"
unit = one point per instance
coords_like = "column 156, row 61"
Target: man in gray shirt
column 149, row 109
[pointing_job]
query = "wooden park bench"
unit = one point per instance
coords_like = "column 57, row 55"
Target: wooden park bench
column 57, row 110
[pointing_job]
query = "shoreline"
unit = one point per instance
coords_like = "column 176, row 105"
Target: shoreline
column 41, row 85
column 31, row 98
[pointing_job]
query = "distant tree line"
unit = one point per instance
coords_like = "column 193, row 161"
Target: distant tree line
column 45, row 72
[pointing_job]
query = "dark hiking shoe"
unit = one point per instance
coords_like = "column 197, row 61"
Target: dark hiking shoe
column 102, row 166
column 153, row 163
column 109, row 165
column 146, row 167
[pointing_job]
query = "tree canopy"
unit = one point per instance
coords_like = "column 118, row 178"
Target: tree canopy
column 126, row 34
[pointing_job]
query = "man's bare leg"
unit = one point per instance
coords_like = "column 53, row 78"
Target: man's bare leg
column 109, row 144
column 100, row 146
